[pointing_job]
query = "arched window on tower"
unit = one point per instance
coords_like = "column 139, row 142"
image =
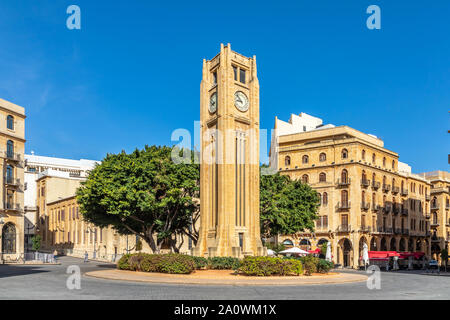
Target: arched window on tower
column 322, row 177
column 324, row 199
column 344, row 176
column 322, row 157
column 305, row 159
column 287, row 161
column 363, row 155
column 305, row 178
column 344, row 154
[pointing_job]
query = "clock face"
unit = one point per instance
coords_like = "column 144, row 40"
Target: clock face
column 241, row 101
column 213, row 103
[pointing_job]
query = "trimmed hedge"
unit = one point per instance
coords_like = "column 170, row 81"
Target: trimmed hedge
column 165, row 263
column 223, row 263
column 270, row 266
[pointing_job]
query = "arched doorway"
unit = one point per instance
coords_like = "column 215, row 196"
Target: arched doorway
column 393, row 245
column 373, row 244
column 411, row 245
column 402, row 245
column 419, row 246
column 383, row 245
column 345, row 255
column 9, row 238
column 435, row 251
column 305, row 244
column 362, row 241
column 321, row 243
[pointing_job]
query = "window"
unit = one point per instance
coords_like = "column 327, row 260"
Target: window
column 287, row 161
column 344, row 154
column 214, row 77
column 364, row 176
column 10, row 149
column 242, row 76
column 384, row 161
column 322, row 157
column 344, row 197
column 10, row 122
column 373, row 158
column 9, row 238
column 305, row 159
column 344, row 176
column 235, row 72
column 325, row 199
column 363, row 154
column 374, row 197
column 363, row 196
column 9, row 174
column 322, row 177
column 393, row 164
column 305, row 178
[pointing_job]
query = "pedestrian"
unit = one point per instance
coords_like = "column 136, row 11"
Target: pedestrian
column 86, row 256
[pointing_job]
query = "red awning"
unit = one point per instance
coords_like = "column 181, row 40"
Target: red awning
column 415, row 255
column 317, row 251
column 382, row 255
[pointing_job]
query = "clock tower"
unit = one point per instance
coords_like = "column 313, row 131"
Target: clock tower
column 229, row 168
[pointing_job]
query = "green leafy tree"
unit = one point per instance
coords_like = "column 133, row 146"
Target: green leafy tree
column 444, row 258
column 143, row 193
column 286, row 206
column 36, row 242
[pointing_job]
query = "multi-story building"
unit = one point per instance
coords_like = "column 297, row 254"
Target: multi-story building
column 37, row 164
column 367, row 195
column 61, row 224
column 12, row 141
column 440, row 211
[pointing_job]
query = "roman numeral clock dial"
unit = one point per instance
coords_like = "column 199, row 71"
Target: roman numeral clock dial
column 241, row 101
column 213, row 103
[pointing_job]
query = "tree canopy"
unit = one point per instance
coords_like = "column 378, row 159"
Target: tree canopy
column 286, row 206
column 143, row 193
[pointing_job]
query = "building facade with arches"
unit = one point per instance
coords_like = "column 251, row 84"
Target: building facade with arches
column 12, row 141
column 367, row 195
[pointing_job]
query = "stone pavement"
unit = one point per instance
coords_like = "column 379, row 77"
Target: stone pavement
column 226, row 277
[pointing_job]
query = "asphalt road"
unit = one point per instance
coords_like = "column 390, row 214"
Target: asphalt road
column 49, row 282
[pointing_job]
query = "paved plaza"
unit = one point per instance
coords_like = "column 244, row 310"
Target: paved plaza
column 49, row 282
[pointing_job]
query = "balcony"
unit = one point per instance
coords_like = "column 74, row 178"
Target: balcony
column 12, row 182
column 397, row 231
column 404, row 211
column 343, row 183
column 384, row 230
column 386, row 209
column 11, row 206
column 447, row 206
column 344, row 228
column 396, row 209
column 405, row 232
column 395, row 190
column 434, row 206
column 434, row 224
column 343, row 205
column 365, row 183
column 427, row 197
column 376, row 208
column 404, row 192
column 427, row 216
column 365, row 206
column 375, row 185
column 11, row 155
column 365, row 229
column 386, row 187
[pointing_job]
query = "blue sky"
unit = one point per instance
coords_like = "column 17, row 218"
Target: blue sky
column 131, row 75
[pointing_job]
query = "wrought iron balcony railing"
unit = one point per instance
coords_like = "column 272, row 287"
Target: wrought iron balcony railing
column 375, row 185
column 365, row 183
column 365, row 206
column 386, row 187
column 343, row 183
column 395, row 190
column 343, row 205
column 344, row 228
column 404, row 192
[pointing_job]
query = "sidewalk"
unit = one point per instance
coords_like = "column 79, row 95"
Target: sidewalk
column 225, row 277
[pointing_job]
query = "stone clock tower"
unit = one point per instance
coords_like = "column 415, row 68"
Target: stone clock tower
column 229, row 169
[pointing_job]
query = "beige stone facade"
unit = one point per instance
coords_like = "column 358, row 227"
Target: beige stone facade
column 229, row 169
column 64, row 231
column 440, row 211
column 364, row 195
column 12, row 141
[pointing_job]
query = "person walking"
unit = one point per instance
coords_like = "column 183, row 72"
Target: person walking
column 86, row 256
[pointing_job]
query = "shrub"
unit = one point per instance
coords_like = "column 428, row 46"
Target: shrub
column 123, row 264
column 200, row 262
column 223, row 263
column 309, row 264
column 267, row 266
column 324, row 266
column 166, row 263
